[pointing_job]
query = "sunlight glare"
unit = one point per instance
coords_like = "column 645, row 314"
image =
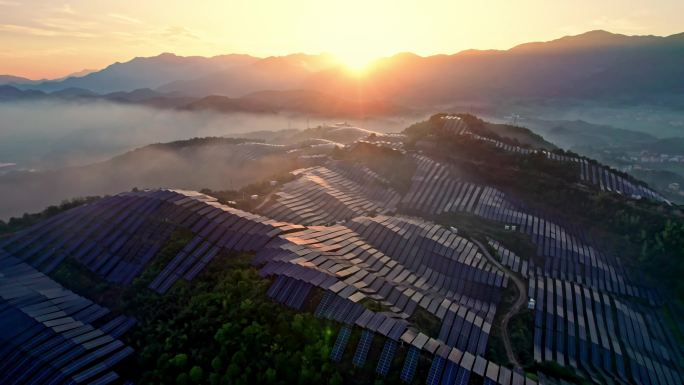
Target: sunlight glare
column 356, row 62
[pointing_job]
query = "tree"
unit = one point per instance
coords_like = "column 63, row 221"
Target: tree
column 180, row 360
column 196, row 374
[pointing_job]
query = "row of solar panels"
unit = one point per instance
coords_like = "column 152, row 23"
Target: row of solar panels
column 362, row 175
column 601, row 334
column 320, row 195
column 454, row 125
column 511, row 260
column 602, row 176
column 503, row 145
column 609, row 180
column 49, row 335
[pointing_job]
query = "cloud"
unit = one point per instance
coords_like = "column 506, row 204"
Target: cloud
column 124, row 18
column 9, row 3
column 52, row 30
column 66, row 8
column 174, row 32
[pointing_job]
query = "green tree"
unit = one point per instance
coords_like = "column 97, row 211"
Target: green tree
column 196, row 374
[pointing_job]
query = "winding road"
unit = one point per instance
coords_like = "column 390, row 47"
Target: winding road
column 517, row 306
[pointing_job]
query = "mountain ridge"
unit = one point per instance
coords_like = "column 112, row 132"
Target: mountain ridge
column 570, row 66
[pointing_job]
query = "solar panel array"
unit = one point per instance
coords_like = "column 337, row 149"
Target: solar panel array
column 431, row 264
column 49, row 335
column 608, row 337
column 605, row 178
column 608, row 180
column 402, row 264
column 377, row 271
column 331, row 193
column 246, row 152
column 568, row 251
column 118, row 236
column 590, row 311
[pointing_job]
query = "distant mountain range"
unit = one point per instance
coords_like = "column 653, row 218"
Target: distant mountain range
column 596, row 64
column 272, row 102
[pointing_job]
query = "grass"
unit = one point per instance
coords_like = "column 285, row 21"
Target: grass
column 76, row 277
column 520, row 329
column 426, row 322
column 496, row 351
column 472, row 226
column 374, row 305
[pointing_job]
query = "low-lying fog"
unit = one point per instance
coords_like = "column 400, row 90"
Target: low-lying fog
column 51, row 134
column 58, row 136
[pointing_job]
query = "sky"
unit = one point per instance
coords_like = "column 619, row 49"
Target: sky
column 50, row 39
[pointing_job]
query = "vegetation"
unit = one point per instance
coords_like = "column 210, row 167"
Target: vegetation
column 422, row 129
column 391, row 164
column 219, row 329
column 243, row 197
column 555, row 370
column 496, row 350
column 514, row 135
column 222, row 329
column 426, row 322
column 473, row 226
column 374, row 305
column 511, row 134
column 521, row 328
column 27, row 220
column 209, row 140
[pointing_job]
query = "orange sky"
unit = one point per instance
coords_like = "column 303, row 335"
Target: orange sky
column 48, row 39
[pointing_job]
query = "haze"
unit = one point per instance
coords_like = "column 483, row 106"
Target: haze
column 52, row 134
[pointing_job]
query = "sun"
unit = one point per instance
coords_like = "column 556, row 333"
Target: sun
column 356, row 62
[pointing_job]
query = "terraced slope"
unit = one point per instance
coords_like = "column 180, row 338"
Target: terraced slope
column 116, row 236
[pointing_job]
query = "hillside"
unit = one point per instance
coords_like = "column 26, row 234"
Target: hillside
column 444, row 252
column 216, row 164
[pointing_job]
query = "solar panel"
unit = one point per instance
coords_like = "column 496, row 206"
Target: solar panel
column 363, row 347
column 435, row 372
column 388, row 351
column 340, row 344
column 410, row 364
